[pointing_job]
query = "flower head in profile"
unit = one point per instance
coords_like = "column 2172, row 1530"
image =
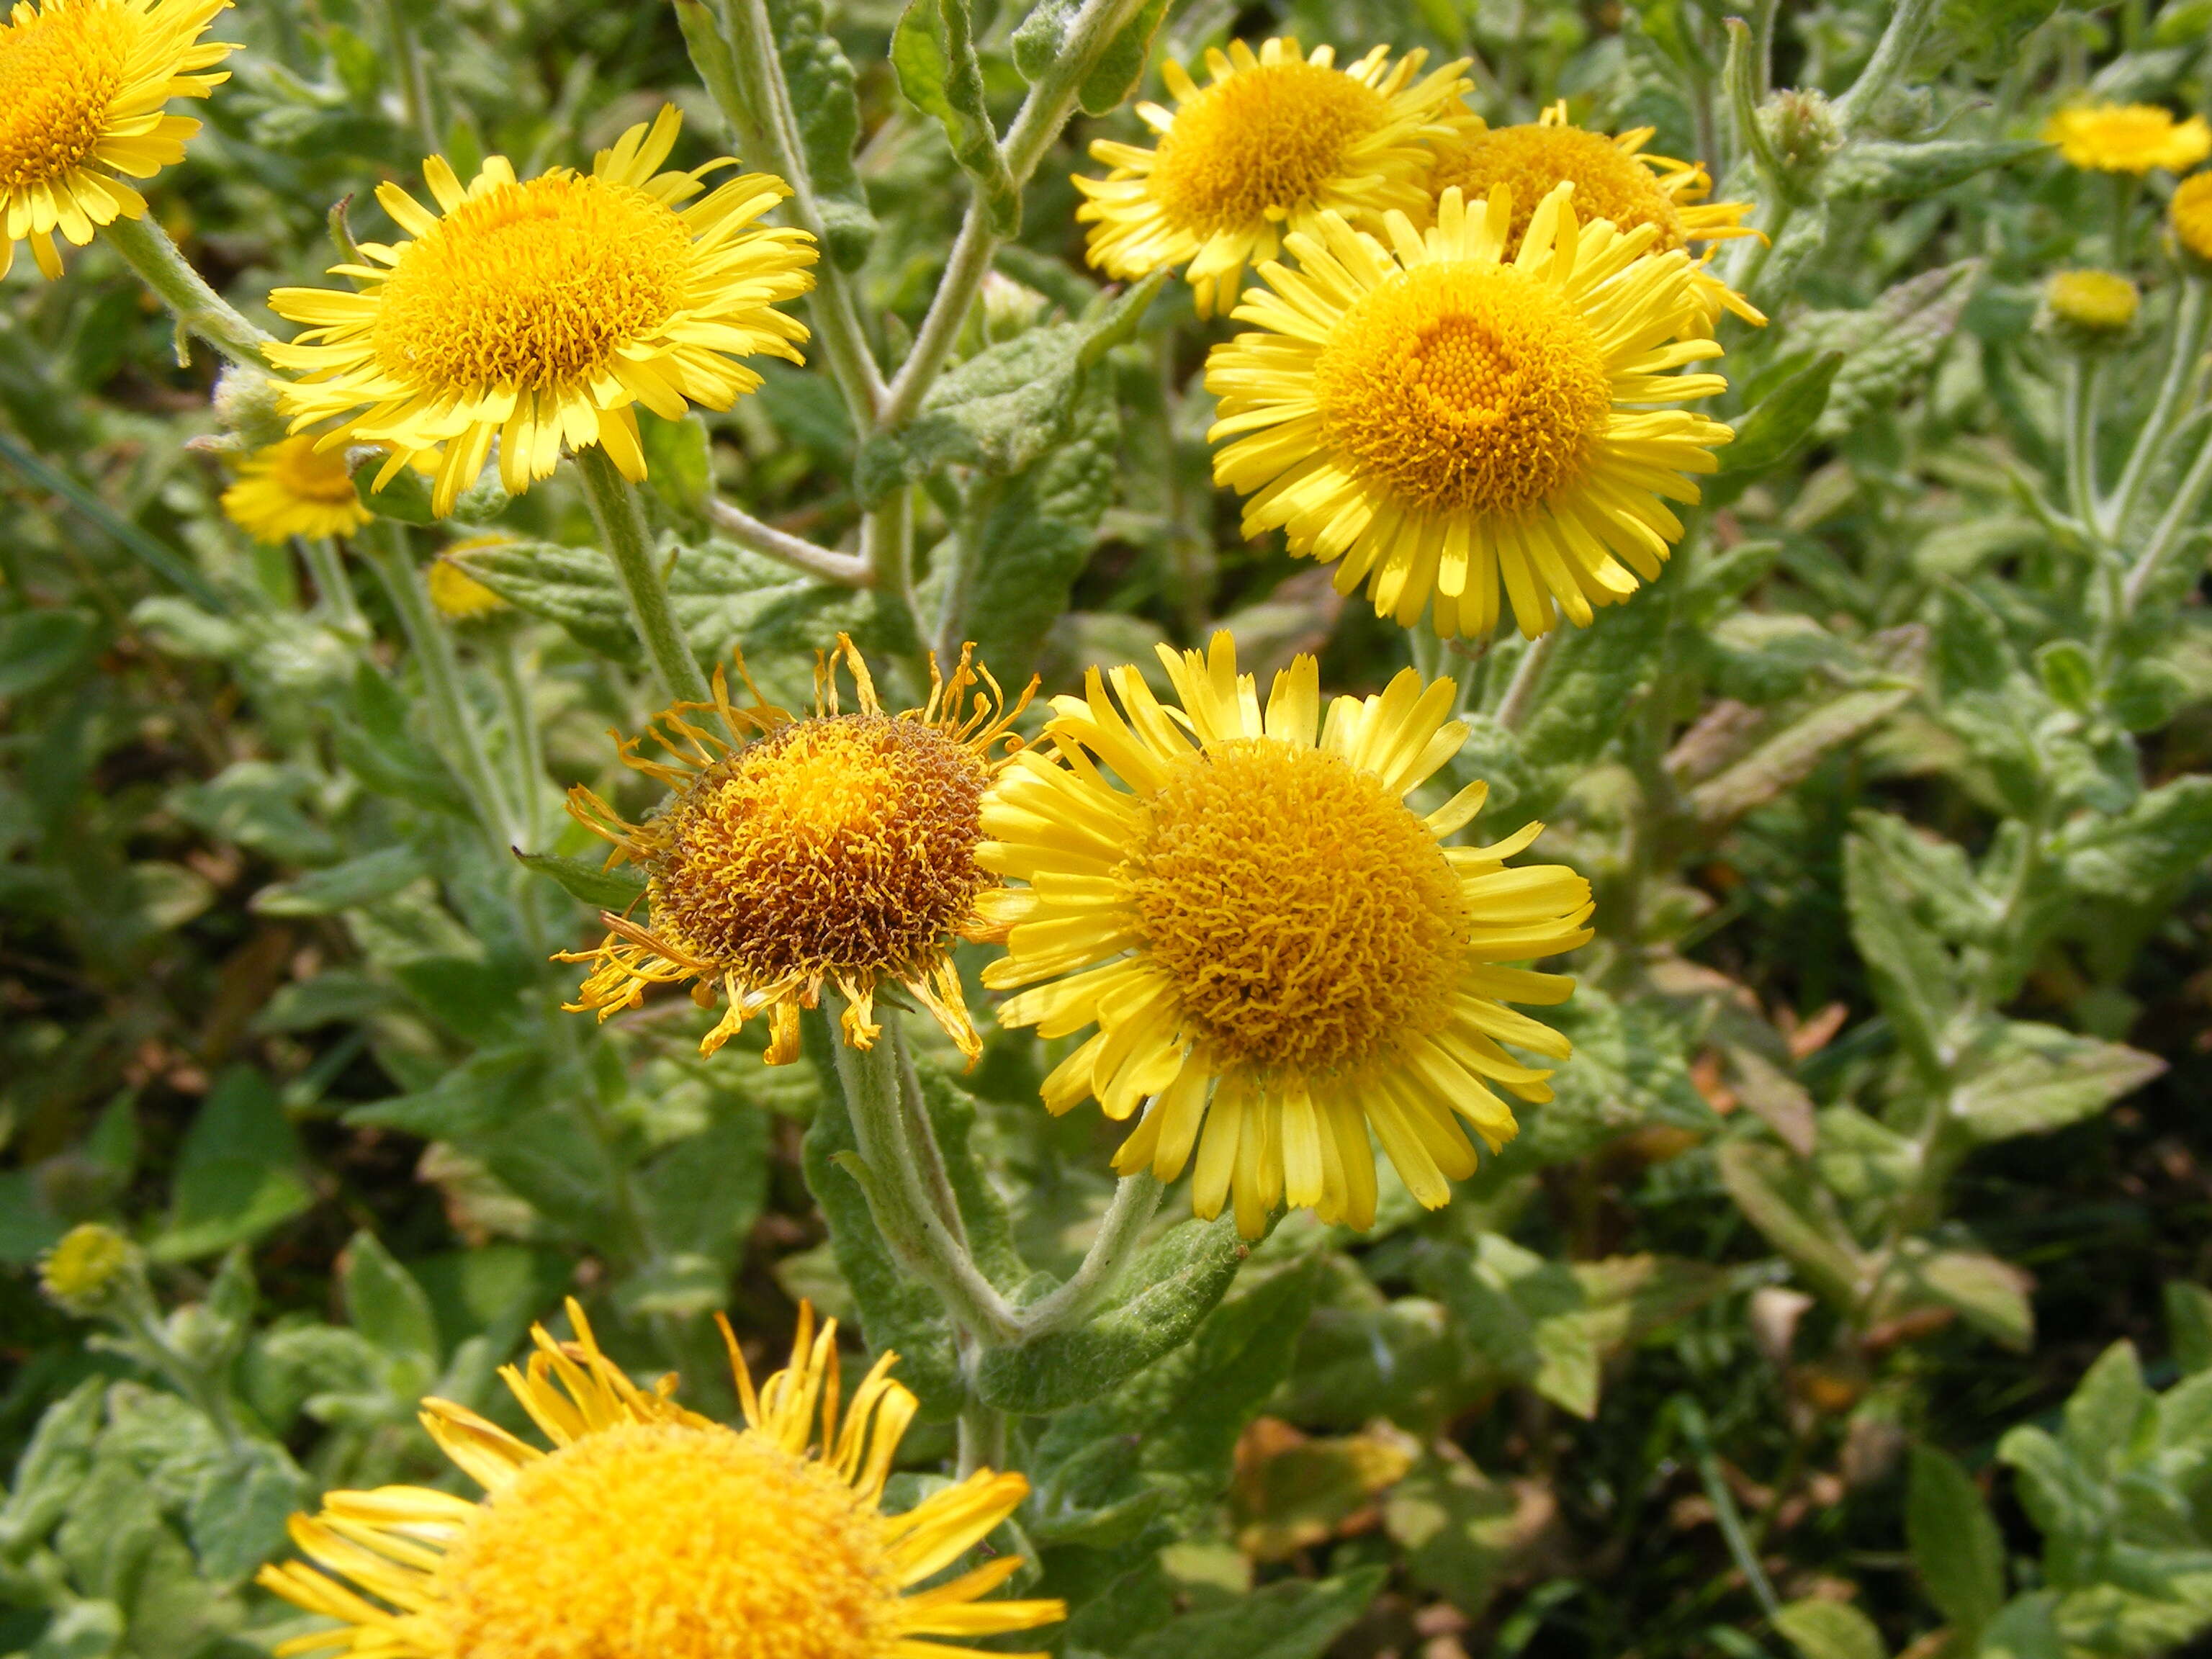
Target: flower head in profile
column 794, row 852
column 2190, row 213
column 2091, row 306
column 1274, row 138
column 647, row 1529
column 293, row 488
column 540, row 311
column 1614, row 179
column 2128, row 138
column 1279, row 953
column 82, row 86
column 1461, row 412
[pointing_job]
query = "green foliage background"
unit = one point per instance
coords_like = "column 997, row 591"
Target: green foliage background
column 1849, row 1300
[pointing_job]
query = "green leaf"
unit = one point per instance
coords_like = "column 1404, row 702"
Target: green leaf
column 37, row 646
column 2068, row 674
column 236, row 1174
column 377, row 747
column 699, row 1196
column 1878, row 170
column 1042, row 38
column 471, row 1103
column 935, row 54
column 405, row 495
column 2143, row 853
column 385, row 1304
column 1003, row 407
column 1956, row 1547
column 1793, row 754
column 1988, row 1293
column 1292, row 1619
column 1458, row 1529
column 2019, row 1078
column 679, row 459
column 2107, row 1411
column 256, row 804
column 1166, row 1291
column 342, row 886
column 1784, row 418
column 53, row 1465
column 1821, row 1629
column 2189, row 1324
column 1914, row 981
column 2026, row 1628
column 239, row 1507
column 1777, row 1194
column 81, row 1629
column 1888, row 345
column 827, row 112
column 584, row 879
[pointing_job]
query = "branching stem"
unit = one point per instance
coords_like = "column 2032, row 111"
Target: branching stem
column 622, row 532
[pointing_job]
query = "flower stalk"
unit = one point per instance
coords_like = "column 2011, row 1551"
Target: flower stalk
column 157, row 261
column 621, row 522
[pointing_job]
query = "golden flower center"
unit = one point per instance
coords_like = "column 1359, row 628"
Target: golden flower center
column 307, row 475
column 1259, row 144
column 840, row 843
column 1464, row 386
column 59, row 72
column 531, row 286
column 666, row 1542
column 1307, row 919
column 1535, row 160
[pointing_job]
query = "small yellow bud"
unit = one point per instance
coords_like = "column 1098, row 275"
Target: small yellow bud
column 2190, row 215
column 85, row 1270
column 2090, row 307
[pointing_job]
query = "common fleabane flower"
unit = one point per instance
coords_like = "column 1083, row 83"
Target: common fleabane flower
column 1279, row 954
column 292, row 487
column 82, row 86
column 1461, row 410
column 1274, row 138
column 1614, row 179
column 540, row 311
column 793, row 854
column 649, row 1530
column 2190, row 213
column 2128, row 138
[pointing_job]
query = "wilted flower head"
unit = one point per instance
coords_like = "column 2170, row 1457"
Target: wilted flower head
column 87, row 1269
column 2128, row 138
column 2090, row 307
column 1277, row 952
column 294, row 488
column 538, row 312
column 648, row 1529
column 1274, row 139
column 83, row 84
column 837, row 850
column 1462, row 413
column 1613, row 179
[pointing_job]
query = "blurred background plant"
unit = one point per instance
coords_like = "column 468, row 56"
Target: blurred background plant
column 1848, row 1299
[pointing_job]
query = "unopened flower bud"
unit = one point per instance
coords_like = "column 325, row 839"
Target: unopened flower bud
column 2088, row 310
column 1009, row 307
column 246, row 403
column 88, row 1269
column 1802, row 130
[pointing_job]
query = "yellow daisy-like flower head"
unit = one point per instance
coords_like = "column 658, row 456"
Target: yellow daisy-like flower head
column 1279, row 953
column 838, row 849
column 539, row 312
column 1459, row 409
column 460, row 596
column 2191, row 214
column 82, row 85
column 648, row 1529
column 2098, row 304
column 1613, row 178
column 294, row 488
column 2128, row 138
column 1275, row 138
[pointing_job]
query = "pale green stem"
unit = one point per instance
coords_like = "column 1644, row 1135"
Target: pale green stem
column 384, row 546
column 1042, row 114
column 615, row 509
column 1520, row 699
column 2081, row 440
column 2126, row 188
column 965, row 550
column 845, row 569
column 333, row 587
column 887, row 548
column 982, row 1438
column 1136, row 1200
column 919, row 1238
column 2185, row 349
column 1426, row 648
column 141, row 1321
column 414, row 81
column 525, row 763
column 146, row 249
column 1892, row 54
column 2169, row 535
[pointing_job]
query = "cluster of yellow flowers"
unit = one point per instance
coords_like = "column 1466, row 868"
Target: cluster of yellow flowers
column 2130, row 141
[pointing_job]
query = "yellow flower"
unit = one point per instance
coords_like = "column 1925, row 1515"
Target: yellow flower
column 1613, row 179
column 84, row 1271
column 292, row 489
column 83, row 84
column 1275, row 948
column 2094, row 301
column 1273, row 140
column 2191, row 214
column 1455, row 410
column 2128, row 138
column 650, row 1530
column 539, row 312
column 838, row 849
column 459, row 595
